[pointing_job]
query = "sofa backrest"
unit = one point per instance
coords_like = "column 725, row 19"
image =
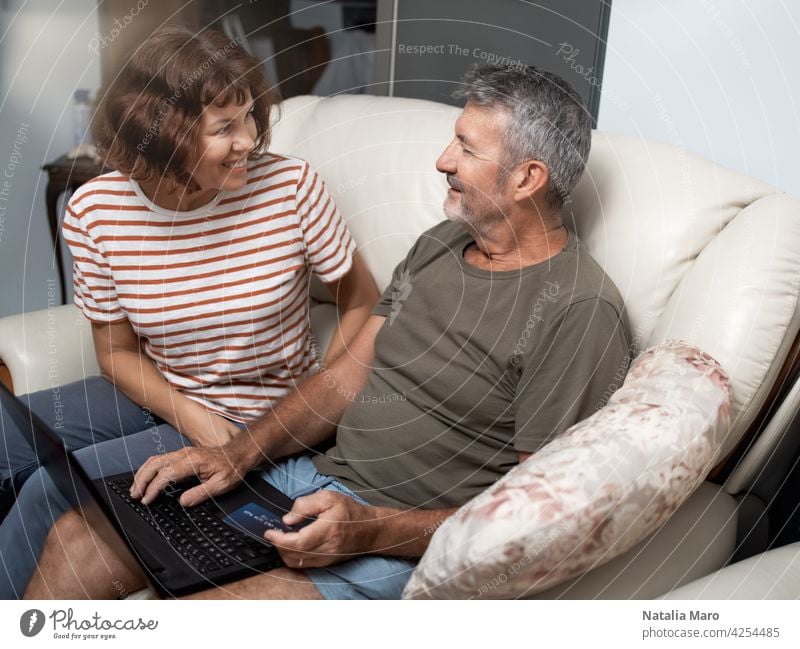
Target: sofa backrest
column 699, row 252
column 377, row 158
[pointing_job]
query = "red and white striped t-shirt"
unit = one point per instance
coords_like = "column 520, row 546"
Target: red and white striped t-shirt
column 218, row 295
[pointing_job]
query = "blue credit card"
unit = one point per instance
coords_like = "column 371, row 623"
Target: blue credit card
column 254, row 520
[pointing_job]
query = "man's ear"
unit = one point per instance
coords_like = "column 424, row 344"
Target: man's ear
column 532, row 178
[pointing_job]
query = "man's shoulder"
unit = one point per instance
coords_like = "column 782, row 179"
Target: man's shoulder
column 584, row 278
column 581, row 291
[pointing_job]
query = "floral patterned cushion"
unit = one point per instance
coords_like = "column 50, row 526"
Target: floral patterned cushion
column 592, row 493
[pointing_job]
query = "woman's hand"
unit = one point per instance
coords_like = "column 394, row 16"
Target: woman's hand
column 204, row 428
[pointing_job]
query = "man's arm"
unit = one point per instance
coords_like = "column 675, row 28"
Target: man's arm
column 344, row 528
column 302, row 419
column 309, row 415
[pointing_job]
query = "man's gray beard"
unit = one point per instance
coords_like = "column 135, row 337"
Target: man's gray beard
column 478, row 223
column 469, row 218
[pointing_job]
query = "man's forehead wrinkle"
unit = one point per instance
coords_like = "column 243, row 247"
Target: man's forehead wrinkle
column 467, row 127
column 479, row 135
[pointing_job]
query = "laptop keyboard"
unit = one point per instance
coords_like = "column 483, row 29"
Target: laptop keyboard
column 196, row 533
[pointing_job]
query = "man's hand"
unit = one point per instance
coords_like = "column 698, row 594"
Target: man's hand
column 344, row 528
column 217, row 469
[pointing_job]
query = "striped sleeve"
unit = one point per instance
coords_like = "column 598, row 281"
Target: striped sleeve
column 328, row 243
column 94, row 291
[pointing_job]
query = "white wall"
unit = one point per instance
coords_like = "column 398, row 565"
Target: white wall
column 718, row 77
column 44, row 56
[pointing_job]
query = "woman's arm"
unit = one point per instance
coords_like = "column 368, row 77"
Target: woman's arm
column 122, row 361
column 355, row 295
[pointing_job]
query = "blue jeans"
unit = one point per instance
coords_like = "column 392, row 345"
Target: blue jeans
column 83, row 413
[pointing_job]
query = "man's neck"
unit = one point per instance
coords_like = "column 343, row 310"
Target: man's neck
column 504, row 247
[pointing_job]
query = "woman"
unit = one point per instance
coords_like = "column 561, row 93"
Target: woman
column 192, row 261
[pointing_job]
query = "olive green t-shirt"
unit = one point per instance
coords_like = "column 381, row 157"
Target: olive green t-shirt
column 474, row 366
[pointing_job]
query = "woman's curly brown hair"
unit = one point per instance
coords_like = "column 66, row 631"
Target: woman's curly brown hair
column 146, row 122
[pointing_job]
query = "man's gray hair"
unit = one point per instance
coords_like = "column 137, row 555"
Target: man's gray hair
column 548, row 121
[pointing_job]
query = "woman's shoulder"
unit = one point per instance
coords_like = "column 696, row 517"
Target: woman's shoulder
column 272, row 165
column 111, row 188
column 111, row 181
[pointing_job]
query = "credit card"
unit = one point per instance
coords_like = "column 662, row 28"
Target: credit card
column 254, row 520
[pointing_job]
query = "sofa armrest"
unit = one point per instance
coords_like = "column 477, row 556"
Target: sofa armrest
column 771, row 575
column 5, row 376
column 45, row 348
column 51, row 347
column 54, row 346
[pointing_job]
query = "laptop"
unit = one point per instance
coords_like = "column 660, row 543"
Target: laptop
column 181, row 550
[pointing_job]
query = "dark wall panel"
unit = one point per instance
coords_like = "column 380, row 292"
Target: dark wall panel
column 435, row 42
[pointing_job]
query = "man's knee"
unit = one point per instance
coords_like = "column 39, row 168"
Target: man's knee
column 67, row 538
column 69, row 531
column 71, row 526
column 76, row 564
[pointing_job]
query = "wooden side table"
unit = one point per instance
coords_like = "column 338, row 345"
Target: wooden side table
column 66, row 174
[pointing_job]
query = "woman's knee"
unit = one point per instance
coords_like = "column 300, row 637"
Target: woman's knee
column 52, row 404
column 40, row 502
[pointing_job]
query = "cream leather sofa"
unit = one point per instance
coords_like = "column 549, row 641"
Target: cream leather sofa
column 699, row 252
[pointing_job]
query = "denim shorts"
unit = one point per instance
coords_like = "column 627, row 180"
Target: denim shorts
column 366, row 577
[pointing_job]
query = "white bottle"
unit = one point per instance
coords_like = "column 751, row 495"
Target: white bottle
column 81, row 117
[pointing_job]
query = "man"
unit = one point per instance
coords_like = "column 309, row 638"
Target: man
column 502, row 333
